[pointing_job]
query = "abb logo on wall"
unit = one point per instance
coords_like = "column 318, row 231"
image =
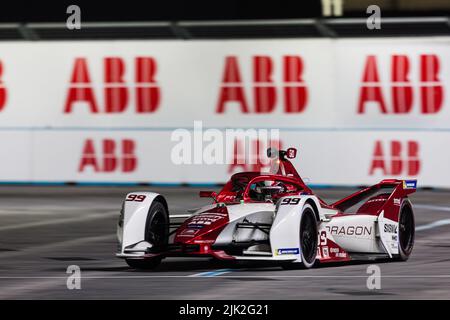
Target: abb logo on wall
column 395, row 158
column 2, row 89
column 108, row 155
column 430, row 91
column 116, row 92
column 293, row 94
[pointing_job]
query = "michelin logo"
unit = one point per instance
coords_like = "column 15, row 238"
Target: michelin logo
column 288, row 251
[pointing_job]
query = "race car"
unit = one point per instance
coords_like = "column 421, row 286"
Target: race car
column 272, row 217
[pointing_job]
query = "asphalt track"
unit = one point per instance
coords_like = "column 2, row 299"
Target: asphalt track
column 44, row 230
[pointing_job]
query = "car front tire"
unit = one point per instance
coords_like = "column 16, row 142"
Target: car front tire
column 308, row 240
column 156, row 233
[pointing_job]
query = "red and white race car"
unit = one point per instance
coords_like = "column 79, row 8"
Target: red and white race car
column 272, row 217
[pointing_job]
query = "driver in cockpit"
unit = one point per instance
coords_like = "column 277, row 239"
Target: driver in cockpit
column 265, row 190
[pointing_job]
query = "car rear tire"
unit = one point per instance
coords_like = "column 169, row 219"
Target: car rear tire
column 156, row 233
column 308, row 240
column 406, row 233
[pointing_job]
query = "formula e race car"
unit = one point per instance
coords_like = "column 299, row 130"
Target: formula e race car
column 273, row 217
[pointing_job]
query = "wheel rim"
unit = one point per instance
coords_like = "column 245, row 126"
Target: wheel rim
column 308, row 237
column 406, row 231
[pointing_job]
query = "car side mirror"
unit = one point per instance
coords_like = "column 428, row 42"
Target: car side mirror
column 208, row 194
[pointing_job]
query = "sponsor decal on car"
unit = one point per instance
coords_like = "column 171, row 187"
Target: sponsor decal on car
column 203, row 220
column 189, row 232
column 288, row 251
column 195, row 225
column 349, row 230
column 338, row 253
column 390, row 228
column 409, row 184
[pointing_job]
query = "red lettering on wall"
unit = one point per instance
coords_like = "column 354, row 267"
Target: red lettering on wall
column 116, row 94
column 264, row 90
column 116, row 91
column 371, row 89
column 115, row 156
column 404, row 159
column 80, row 89
column 88, row 157
column 401, row 89
column 295, row 93
column 265, row 96
column 402, row 92
column 231, row 89
column 2, row 89
column 431, row 90
column 147, row 91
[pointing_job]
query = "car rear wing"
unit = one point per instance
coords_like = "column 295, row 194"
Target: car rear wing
column 400, row 187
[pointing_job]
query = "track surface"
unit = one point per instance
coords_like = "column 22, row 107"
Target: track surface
column 43, row 230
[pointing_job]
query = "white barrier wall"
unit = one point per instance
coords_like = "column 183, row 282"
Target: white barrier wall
column 358, row 110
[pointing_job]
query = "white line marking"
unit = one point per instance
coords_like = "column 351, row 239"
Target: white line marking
column 56, row 210
column 17, row 289
column 445, row 276
column 431, row 207
column 434, row 224
column 57, row 221
column 53, row 246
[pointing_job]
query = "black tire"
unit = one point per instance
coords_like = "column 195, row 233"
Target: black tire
column 157, row 225
column 156, row 233
column 406, row 232
column 308, row 240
